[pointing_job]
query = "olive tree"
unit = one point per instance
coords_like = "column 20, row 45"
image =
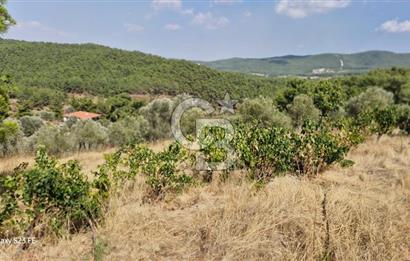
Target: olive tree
column 30, row 124
column 54, row 138
column 129, row 130
column 302, row 108
column 158, row 114
column 264, row 111
column 87, row 134
column 369, row 100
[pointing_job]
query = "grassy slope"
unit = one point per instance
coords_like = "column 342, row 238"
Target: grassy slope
column 364, row 217
column 101, row 70
column 288, row 65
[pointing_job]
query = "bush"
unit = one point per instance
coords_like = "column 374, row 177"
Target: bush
column 188, row 121
column 385, row 119
column 163, row 170
column 263, row 110
column 301, row 109
column 158, row 114
column 88, row 134
column 403, row 118
column 30, row 124
column 47, row 115
column 369, row 100
column 55, row 139
column 128, row 131
column 270, row 151
column 10, row 137
column 48, row 198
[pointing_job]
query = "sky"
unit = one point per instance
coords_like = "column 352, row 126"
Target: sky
column 217, row 29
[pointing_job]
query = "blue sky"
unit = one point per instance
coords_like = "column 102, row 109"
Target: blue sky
column 216, row 29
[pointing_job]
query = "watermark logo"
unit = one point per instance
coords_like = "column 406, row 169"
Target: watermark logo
column 227, row 106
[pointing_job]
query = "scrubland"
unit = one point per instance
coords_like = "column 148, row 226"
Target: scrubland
column 356, row 213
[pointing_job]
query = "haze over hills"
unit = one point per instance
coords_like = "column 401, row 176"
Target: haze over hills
column 320, row 64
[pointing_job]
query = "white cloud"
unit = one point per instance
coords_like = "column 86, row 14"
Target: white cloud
column 226, row 1
column 134, row 28
column 394, row 26
column 37, row 26
column 172, row 27
column 209, row 21
column 301, row 9
column 162, row 4
column 247, row 14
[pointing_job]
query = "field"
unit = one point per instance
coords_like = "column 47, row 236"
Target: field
column 356, row 213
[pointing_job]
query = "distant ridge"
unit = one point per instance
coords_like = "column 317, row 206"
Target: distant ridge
column 319, row 64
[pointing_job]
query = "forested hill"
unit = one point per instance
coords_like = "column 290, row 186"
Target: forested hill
column 101, row 70
column 321, row 64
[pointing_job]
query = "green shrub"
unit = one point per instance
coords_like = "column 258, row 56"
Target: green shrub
column 49, row 198
column 130, row 130
column 55, row 139
column 30, row 124
column 386, row 120
column 163, row 170
column 403, row 118
column 158, row 114
column 10, row 137
column 269, row 151
column 263, row 110
column 369, row 100
column 329, row 96
column 88, row 134
column 47, row 115
column 301, row 109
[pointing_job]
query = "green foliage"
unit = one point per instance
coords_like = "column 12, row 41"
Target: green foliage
column 30, row 124
column 94, row 69
column 188, row 121
column 5, row 18
column 369, row 100
column 163, row 170
column 130, row 130
column 10, row 137
column 49, row 198
column 403, row 118
column 83, row 104
column 386, row 120
column 39, row 98
column 329, row 96
column 267, row 152
column 87, row 134
column 301, row 109
column 263, row 110
column 4, row 97
column 54, row 139
column 158, row 114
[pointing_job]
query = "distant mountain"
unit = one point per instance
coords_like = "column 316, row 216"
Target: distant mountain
column 320, row 64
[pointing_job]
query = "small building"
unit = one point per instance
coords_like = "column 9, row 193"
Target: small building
column 81, row 115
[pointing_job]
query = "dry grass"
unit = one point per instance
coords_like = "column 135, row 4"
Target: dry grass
column 360, row 213
column 89, row 160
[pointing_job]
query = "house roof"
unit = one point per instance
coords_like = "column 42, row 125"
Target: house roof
column 83, row 115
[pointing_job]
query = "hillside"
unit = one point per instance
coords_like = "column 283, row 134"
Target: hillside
column 321, row 64
column 102, row 70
